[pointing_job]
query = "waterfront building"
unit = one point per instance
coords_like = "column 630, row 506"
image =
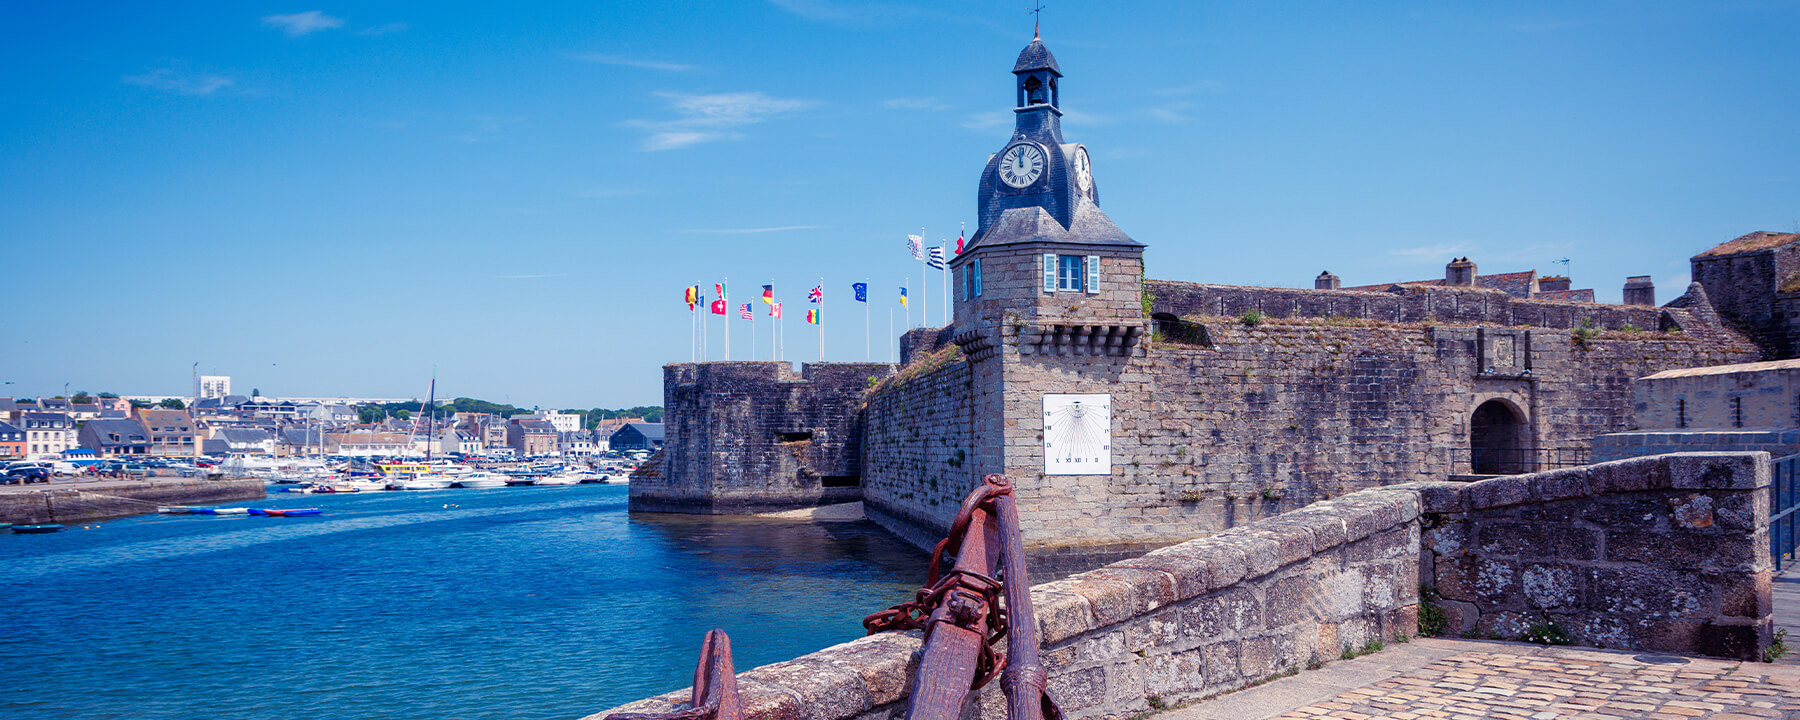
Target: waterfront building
column 300, row 441
column 46, row 433
column 366, row 443
column 636, row 436
column 530, row 437
column 172, row 432
column 115, row 438
column 12, row 441
column 241, row 441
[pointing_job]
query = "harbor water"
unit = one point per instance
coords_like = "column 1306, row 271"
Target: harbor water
column 523, row 603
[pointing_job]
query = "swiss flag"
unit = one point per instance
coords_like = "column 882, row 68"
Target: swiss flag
column 718, row 306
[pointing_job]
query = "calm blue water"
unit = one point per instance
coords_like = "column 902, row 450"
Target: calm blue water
column 506, row 603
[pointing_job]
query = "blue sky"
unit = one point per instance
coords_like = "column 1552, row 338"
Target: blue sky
column 325, row 199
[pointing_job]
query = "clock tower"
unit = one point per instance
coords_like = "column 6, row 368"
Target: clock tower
column 1047, row 272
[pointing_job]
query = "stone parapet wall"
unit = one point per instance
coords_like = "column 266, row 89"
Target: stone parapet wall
column 1178, row 624
column 1666, row 553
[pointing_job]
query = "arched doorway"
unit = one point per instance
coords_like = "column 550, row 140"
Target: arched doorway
column 1499, row 440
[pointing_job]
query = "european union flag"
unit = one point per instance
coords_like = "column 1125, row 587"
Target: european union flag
column 862, row 292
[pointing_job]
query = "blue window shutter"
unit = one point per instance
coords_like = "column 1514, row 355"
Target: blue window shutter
column 1093, row 274
column 975, row 274
column 1049, row 273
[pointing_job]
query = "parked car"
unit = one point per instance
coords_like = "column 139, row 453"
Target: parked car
column 25, row 475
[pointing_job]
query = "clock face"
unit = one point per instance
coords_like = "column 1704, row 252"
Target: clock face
column 1084, row 173
column 1021, row 165
column 1078, row 434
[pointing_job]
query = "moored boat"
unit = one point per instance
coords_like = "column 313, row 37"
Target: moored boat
column 38, row 528
column 481, row 480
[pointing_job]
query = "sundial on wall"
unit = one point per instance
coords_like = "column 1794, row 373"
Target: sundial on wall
column 1078, row 434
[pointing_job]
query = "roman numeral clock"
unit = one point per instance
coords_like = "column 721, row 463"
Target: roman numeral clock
column 1078, row 434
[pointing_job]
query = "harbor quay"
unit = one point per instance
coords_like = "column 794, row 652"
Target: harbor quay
column 64, row 501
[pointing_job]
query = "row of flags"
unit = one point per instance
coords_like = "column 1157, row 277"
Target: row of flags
column 933, row 257
column 719, row 306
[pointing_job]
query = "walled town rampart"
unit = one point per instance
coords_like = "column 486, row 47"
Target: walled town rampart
column 1566, row 551
column 1221, row 421
column 746, row 437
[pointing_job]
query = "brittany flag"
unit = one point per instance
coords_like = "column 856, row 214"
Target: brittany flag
column 768, row 294
column 812, row 316
column 744, row 312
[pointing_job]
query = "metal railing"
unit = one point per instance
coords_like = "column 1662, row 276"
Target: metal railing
column 1515, row 461
column 1784, row 498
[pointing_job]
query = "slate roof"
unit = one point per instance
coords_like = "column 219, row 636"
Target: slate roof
column 650, row 431
column 302, row 436
column 1751, row 242
column 118, row 433
column 1036, row 57
column 1035, row 225
column 7, row 431
column 244, row 436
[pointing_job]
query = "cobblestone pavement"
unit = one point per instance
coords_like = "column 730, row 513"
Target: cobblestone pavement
column 1469, row 679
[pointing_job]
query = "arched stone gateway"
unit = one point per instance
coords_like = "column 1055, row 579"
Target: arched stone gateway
column 1499, row 440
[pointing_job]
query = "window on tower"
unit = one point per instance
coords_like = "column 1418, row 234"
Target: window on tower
column 1034, row 91
column 1069, row 273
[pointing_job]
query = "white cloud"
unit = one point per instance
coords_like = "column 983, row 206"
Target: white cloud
column 304, row 23
column 630, row 62
column 748, row 231
column 929, row 103
column 182, row 82
column 711, row 117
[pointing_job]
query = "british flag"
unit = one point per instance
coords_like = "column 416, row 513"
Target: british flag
column 815, row 295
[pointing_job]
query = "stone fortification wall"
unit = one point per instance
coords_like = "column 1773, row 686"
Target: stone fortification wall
column 118, row 499
column 1667, row 553
column 746, row 437
column 918, row 446
column 1748, row 287
column 1255, row 421
column 1219, row 613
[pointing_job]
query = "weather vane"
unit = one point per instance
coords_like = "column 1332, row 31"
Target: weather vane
column 1037, row 13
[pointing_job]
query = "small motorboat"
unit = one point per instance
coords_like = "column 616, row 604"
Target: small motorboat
column 558, row 479
column 481, row 480
column 39, row 528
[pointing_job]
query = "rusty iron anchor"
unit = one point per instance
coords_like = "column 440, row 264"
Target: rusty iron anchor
column 715, row 694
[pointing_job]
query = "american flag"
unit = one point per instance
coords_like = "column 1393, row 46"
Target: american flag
column 937, row 258
column 915, row 245
column 815, row 295
column 744, row 312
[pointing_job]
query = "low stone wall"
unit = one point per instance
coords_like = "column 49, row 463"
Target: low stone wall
column 1666, row 553
column 63, row 503
column 1180, row 623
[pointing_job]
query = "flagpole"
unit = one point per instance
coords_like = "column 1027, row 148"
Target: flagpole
column 773, row 321
column 908, row 306
column 866, row 355
column 821, row 319
column 725, row 296
column 944, row 280
column 924, row 292
column 752, row 334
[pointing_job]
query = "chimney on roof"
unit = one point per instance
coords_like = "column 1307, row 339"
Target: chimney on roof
column 1327, row 281
column 1640, row 291
column 1553, row 283
column 1460, row 272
